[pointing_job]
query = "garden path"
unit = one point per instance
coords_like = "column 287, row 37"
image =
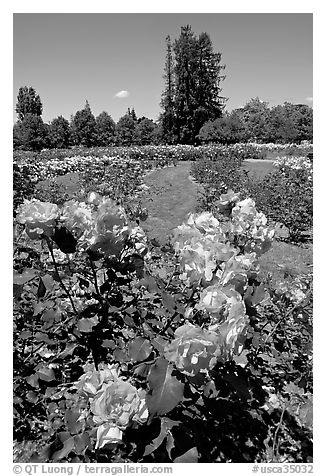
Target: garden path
column 172, row 195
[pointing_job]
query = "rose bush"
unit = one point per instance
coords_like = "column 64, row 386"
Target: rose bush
column 179, row 347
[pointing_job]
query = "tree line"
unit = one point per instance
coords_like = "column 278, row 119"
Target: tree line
column 193, row 111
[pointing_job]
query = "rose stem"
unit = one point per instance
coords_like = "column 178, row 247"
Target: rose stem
column 57, row 271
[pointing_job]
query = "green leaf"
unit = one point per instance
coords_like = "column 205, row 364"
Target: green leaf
column 120, row 355
column 31, row 396
column 71, row 417
column 67, row 442
column 42, row 337
column 108, row 344
column 239, row 385
column 48, row 282
column 46, row 374
column 168, row 301
column 41, row 290
column 191, row 456
column 159, row 343
column 25, row 276
column 165, row 390
column 32, row 380
column 149, row 283
column 86, row 325
column 305, row 416
column 64, row 239
column 139, row 349
column 38, row 308
column 242, row 358
column 81, row 443
column 166, row 425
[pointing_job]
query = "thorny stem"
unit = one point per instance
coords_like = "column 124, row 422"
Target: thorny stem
column 276, row 432
column 95, row 279
column 59, row 277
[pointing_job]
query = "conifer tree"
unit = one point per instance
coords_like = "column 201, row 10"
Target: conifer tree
column 167, row 102
column 192, row 93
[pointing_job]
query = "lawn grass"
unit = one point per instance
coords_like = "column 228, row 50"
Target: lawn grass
column 171, row 197
column 285, row 260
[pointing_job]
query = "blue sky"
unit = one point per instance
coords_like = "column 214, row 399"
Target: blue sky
column 69, row 58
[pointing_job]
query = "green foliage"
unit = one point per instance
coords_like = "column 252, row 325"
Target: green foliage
column 228, row 129
column 192, row 87
column 23, row 185
column 105, row 129
column 59, row 133
column 255, row 122
column 83, row 127
column 30, row 133
column 28, row 102
column 291, row 123
column 126, row 130
column 145, row 131
column 287, row 198
column 74, row 312
column 165, row 390
column 167, row 118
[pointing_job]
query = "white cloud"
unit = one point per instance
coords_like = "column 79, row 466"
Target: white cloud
column 122, row 94
column 309, row 99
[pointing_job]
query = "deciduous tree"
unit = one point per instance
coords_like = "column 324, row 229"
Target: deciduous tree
column 28, row 102
column 59, row 133
column 84, row 127
column 105, row 129
column 30, row 133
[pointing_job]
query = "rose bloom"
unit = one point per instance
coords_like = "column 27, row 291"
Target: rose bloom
column 91, row 381
column 244, row 210
column 212, row 300
column 193, row 350
column 38, row 217
column 217, row 301
column 235, row 271
column 111, row 228
column 77, row 218
column 232, row 330
column 229, row 197
column 139, row 240
column 205, row 222
column 183, row 235
column 114, row 407
column 227, row 202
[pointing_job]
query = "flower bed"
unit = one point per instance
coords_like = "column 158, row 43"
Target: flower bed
column 124, row 355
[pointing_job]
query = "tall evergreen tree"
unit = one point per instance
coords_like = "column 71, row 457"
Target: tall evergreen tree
column 185, row 50
column 210, row 103
column 167, row 119
column 192, row 93
column 28, row 102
